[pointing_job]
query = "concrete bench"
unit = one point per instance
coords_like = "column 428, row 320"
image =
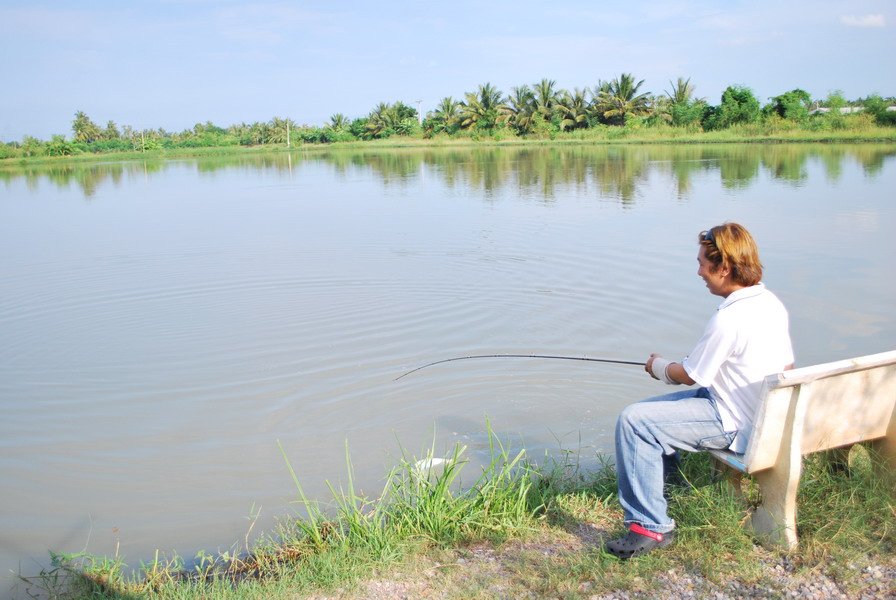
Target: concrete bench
column 812, row 409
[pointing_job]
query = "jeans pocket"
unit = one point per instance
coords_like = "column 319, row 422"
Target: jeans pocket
column 717, row 442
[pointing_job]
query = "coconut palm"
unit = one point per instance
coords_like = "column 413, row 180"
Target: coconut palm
column 545, row 96
column 280, row 130
column 481, row 109
column 518, row 109
column 619, row 98
column 448, row 107
column 259, row 133
column 679, row 106
column 445, row 116
column 84, row 129
column 111, row 131
column 388, row 119
column 573, row 109
column 682, row 91
column 338, row 122
column 379, row 122
column 241, row 132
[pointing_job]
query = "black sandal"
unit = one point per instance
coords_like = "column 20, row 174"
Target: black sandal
column 638, row 541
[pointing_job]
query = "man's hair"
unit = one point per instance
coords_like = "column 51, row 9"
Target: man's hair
column 731, row 245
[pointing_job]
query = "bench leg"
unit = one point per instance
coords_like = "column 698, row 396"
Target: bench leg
column 731, row 476
column 774, row 520
column 883, row 453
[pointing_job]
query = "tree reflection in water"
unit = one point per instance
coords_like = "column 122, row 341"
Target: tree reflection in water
column 615, row 171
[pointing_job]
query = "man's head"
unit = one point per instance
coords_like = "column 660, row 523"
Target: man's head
column 731, row 248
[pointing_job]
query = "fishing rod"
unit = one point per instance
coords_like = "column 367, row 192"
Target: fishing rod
column 600, row 360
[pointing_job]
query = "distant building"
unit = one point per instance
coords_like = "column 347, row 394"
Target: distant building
column 844, row 110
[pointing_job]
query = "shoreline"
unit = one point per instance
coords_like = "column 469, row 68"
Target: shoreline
column 647, row 137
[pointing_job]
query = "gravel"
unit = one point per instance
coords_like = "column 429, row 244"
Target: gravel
column 497, row 568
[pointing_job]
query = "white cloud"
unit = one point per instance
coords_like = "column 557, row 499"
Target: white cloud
column 865, row 21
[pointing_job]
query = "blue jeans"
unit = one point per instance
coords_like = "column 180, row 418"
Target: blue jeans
column 648, row 435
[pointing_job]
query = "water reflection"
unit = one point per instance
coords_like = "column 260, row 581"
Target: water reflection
column 618, row 172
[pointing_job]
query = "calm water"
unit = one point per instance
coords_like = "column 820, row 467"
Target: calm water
column 164, row 324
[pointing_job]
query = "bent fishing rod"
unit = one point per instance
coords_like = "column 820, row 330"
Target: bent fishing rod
column 600, row 360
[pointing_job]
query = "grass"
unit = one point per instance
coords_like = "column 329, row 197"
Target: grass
column 520, row 529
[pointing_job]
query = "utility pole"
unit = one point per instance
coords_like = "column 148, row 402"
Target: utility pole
column 419, row 114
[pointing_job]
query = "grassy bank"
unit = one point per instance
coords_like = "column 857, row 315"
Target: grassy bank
column 521, row 528
column 767, row 132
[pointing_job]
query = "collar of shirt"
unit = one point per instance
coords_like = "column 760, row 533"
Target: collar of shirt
column 742, row 294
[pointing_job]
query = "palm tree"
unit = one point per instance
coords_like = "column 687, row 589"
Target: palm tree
column 448, row 107
column 481, row 109
column 130, row 134
column 240, row 132
column 84, row 129
column 111, row 132
column 445, row 116
column 338, row 122
column 682, row 91
column 545, row 97
column 406, row 121
column 518, row 109
column 259, row 132
column 619, row 98
column 280, row 130
column 388, row 119
column 379, row 122
column 573, row 109
column 675, row 106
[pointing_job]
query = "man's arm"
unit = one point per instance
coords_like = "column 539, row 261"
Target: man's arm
column 673, row 371
column 677, row 372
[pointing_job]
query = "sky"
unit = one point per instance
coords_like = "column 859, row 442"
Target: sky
column 175, row 63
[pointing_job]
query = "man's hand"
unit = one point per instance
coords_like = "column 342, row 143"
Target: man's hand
column 658, row 367
column 649, row 365
column 667, row 371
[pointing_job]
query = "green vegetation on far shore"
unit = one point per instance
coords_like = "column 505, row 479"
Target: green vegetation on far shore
column 861, row 131
column 519, row 529
column 612, row 111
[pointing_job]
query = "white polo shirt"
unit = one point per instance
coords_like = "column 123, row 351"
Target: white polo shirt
column 747, row 339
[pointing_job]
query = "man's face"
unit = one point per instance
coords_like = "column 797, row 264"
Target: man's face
column 716, row 282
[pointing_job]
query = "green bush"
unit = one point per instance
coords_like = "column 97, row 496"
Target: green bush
column 739, row 106
column 685, row 114
column 793, row 106
column 877, row 107
column 8, row 151
column 59, row 146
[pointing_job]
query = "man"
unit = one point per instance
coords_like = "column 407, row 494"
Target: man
column 747, row 339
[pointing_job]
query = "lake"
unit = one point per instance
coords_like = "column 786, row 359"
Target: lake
column 163, row 324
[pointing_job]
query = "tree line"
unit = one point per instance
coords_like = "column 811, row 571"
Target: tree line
column 540, row 110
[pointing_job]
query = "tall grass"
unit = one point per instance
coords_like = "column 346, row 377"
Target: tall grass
column 424, row 499
column 845, row 518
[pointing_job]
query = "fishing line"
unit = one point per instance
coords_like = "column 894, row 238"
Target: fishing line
column 600, row 360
